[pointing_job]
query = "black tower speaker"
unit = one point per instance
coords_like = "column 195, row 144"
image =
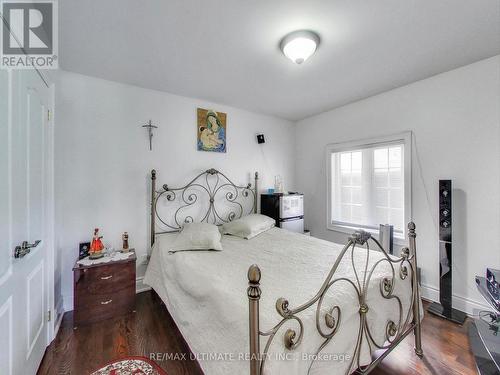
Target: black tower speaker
column 444, row 308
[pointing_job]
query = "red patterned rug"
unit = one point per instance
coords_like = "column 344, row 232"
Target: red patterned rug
column 131, row 366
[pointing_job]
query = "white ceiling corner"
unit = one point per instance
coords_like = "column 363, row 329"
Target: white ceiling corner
column 227, row 51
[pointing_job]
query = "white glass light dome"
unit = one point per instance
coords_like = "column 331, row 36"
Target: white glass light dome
column 298, row 46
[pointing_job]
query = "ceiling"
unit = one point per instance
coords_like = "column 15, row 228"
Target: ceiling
column 227, row 51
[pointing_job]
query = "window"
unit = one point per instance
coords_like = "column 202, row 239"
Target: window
column 369, row 184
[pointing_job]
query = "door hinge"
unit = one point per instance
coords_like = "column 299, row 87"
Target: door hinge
column 49, row 315
column 48, row 114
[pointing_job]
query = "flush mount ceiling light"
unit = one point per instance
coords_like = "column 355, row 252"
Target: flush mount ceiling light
column 299, row 45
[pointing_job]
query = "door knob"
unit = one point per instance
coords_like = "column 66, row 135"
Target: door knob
column 25, row 248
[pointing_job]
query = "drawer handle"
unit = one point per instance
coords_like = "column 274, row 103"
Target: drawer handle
column 106, row 302
column 106, row 277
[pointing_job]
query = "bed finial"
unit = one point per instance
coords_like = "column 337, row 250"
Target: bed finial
column 254, row 274
column 253, row 293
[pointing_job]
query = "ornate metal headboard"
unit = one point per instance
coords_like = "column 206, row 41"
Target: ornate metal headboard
column 209, row 197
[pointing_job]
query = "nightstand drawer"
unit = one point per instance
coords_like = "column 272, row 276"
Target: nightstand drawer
column 97, row 307
column 106, row 279
column 97, row 300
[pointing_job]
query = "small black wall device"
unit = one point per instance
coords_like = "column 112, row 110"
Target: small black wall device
column 260, row 139
column 445, row 309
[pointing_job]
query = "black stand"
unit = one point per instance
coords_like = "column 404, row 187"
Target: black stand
column 484, row 334
column 445, row 309
column 452, row 314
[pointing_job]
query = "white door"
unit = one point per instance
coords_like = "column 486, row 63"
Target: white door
column 24, row 290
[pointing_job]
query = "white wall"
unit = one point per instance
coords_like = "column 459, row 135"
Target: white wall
column 103, row 160
column 455, row 120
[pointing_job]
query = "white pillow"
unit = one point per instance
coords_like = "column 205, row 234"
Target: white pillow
column 249, row 226
column 197, row 236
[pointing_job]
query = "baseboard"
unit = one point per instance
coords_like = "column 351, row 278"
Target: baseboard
column 140, row 286
column 466, row 305
column 68, row 303
column 59, row 313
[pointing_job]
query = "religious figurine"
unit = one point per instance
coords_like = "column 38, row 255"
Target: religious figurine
column 125, row 242
column 96, row 246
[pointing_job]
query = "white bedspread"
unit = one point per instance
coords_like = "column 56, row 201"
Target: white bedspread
column 205, row 292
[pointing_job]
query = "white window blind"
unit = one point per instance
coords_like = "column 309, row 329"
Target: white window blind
column 367, row 184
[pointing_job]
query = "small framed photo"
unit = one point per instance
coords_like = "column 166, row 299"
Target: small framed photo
column 84, row 248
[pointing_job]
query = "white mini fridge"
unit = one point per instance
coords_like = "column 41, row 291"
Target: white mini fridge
column 286, row 209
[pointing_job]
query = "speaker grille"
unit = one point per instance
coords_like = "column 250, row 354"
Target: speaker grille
column 445, row 210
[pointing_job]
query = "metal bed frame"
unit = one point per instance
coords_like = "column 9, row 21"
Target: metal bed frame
column 211, row 184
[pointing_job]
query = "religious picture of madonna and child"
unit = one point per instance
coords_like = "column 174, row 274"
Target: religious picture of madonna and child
column 211, row 130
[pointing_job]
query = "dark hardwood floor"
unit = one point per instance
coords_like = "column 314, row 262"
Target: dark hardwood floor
column 151, row 329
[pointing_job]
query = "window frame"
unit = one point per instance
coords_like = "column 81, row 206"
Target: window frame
column 406, row 139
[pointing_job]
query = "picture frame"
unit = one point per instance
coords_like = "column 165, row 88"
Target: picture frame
column 83, row 250
column 211, row 130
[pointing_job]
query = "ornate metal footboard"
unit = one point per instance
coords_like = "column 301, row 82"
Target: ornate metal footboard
column 395, row 332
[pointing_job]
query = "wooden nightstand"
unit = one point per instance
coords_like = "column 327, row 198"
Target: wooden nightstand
column 103, row 291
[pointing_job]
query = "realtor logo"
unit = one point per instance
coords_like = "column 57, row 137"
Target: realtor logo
column 29, row 34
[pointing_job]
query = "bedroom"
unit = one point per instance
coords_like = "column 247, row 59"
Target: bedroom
column 362, row 108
